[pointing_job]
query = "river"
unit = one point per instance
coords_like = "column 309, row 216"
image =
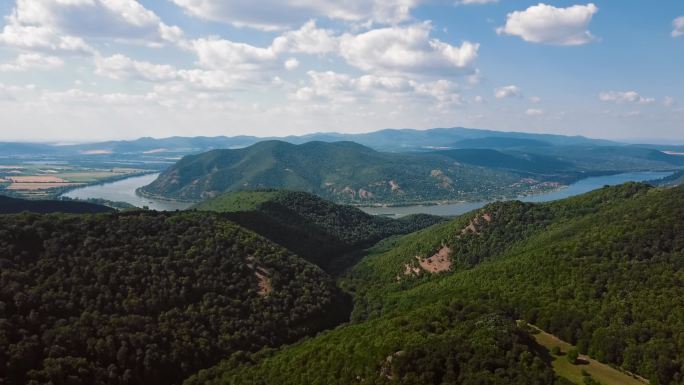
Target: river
column 124, row 191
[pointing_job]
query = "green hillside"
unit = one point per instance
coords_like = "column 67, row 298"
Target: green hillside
column 343, row 172
column 10, row 205
column 603, row 271
column 147, row 298
column 318, row 230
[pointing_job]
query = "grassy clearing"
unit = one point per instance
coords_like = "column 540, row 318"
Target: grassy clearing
column 600, row 372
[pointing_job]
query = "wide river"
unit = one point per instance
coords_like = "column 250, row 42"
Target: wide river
column 124, row 191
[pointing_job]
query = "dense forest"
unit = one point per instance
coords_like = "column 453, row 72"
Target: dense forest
column 320, row 231
column 9, row 205
column 603, row 271
column 343, row 172
column 160, row 298
column 147, row 298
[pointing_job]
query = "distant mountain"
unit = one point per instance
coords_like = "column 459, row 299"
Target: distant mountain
column 342, row 172
column 518, row 161
column 8, row 149
column 318, row 230
column 393, row 140
column 14, row 205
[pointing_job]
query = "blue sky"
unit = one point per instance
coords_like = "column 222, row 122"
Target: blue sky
column 82, row 70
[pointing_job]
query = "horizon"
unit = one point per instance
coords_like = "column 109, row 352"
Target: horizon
column 90, row 71
column 626, row 141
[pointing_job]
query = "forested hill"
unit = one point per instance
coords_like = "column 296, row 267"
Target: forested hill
column 318, row 230
column 147, row 298
column 14, row 205
column 603, row 271
column 343, row 172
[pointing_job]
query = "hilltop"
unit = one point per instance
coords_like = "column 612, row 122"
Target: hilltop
column 342, row 172
column 601, row 271
column 318, row 230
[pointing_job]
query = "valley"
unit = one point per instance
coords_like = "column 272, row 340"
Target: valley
column 282, row 263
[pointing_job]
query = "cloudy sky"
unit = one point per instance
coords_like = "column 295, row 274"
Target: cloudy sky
column 80, row 70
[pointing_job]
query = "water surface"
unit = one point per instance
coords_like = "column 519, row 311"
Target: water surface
column 579, row 187
column 124, row 191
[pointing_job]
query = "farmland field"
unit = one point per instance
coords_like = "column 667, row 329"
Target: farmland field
column 45, row 180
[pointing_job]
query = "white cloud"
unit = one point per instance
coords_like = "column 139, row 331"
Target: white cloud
column 291, row 64
column 535, row 99
column 281, row 14
column 224, row 54
column 550, row 25
column 406, row 50
column 41, row 38
column 64, row 24
column 669, row 101
column 511, row 91
column 678, row 25
column 32, row 61
column 330, row 86
column 122, row 67
column 308, row 39
column 534, row 112
column 624, row 97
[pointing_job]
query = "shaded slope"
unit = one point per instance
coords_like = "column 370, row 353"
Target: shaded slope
column 147, row 298
column 318, row 230
column 14, row 205
column 603, row 271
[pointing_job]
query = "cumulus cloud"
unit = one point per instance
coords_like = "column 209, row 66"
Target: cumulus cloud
column 65, row 24
column 336, row 87
column 308, row 39
column 678, row 25
column 547, row 24
column 122, row 67
column 281, row 14
column 511, row 91
column 32, row 61
column 406, row 49
column 291, row 64
column 224, row 54
column 624, row 97
column 41, row 38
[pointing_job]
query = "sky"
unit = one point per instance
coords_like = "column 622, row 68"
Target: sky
column 85, row 70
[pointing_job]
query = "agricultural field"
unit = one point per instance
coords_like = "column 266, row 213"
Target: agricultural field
column 46, row 180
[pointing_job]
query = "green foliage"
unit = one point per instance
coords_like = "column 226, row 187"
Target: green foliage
column 320, row 231
column 147, row 298
column 602, row 271
column 10, row 205
column 343, row 172
column 573, row 356
column 443, row 344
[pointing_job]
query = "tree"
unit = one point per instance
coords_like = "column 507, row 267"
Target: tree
column 573, row 355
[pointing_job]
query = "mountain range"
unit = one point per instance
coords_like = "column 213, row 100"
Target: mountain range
column 392, row 140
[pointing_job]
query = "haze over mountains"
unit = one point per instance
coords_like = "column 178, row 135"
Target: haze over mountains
column 384, row 140
column 442, row 165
